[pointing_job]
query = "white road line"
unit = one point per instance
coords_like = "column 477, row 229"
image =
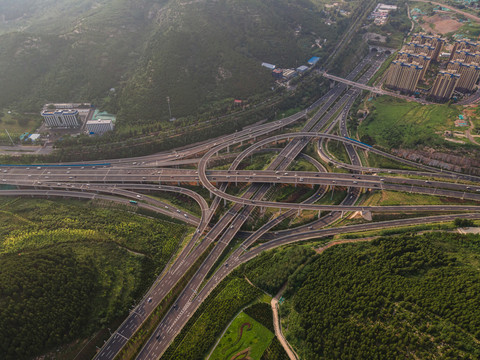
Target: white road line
column 123, row 336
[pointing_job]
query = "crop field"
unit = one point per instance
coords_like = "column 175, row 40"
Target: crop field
column 245, row 337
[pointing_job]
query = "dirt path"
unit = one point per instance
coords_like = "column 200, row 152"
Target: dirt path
column 469, row 133
column 278, row 327
column 346, row 241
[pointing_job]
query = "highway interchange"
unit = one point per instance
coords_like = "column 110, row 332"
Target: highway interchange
column 129, row 181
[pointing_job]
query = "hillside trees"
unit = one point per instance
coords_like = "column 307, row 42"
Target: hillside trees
column 402, row 297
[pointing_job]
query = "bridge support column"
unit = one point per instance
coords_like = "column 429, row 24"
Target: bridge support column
column 228, row 149
column 224, row 202
column 211, row 195
column 319, row 214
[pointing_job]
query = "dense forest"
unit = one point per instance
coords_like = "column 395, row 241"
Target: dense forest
column 70, row 268
column 393, row 298
column 271, row 269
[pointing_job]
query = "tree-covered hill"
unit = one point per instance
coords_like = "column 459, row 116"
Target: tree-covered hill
column 195, row 52
column 70, row 268
column 408, row 297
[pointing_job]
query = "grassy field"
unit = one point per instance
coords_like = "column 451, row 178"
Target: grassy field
column 471, row 30
column 244, row 336
column 302, row 165
column 338, row 151
column 16, row 124
column 392, row 198
column 378, row 161
column 257, row 161
column 394, row 123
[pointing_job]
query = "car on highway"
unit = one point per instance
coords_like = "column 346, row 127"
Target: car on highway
column 149, row 300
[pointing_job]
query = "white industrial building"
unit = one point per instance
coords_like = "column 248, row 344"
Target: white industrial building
column 99, row 126
column 61, row 118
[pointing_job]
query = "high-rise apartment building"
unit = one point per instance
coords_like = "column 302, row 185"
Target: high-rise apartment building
column 418, row 48
column 466, row 44
column 403, row 76
column 466, row 56
column 444, row 84
column 434, row 41
column 420, row 58
column 469, row 74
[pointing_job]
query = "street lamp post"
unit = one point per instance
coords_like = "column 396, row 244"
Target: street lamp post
column 169, row 109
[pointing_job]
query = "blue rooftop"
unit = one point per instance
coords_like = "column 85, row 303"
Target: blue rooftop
column 313, row 60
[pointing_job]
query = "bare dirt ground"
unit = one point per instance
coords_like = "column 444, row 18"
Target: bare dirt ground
column 441, row 24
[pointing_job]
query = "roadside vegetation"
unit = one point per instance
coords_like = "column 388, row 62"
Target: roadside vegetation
column 393, row 198
column 269, row 272
column 211, row 318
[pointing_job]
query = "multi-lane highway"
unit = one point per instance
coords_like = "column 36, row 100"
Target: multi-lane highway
column 129, row 181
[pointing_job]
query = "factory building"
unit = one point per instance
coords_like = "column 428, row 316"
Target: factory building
column 444, row 84
column 61, row 118
column 268, row 66
column 289, row 73
column 313, row 60
column 403, row 76
column 469, row 74
column 99, row 127
column 302, row 69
